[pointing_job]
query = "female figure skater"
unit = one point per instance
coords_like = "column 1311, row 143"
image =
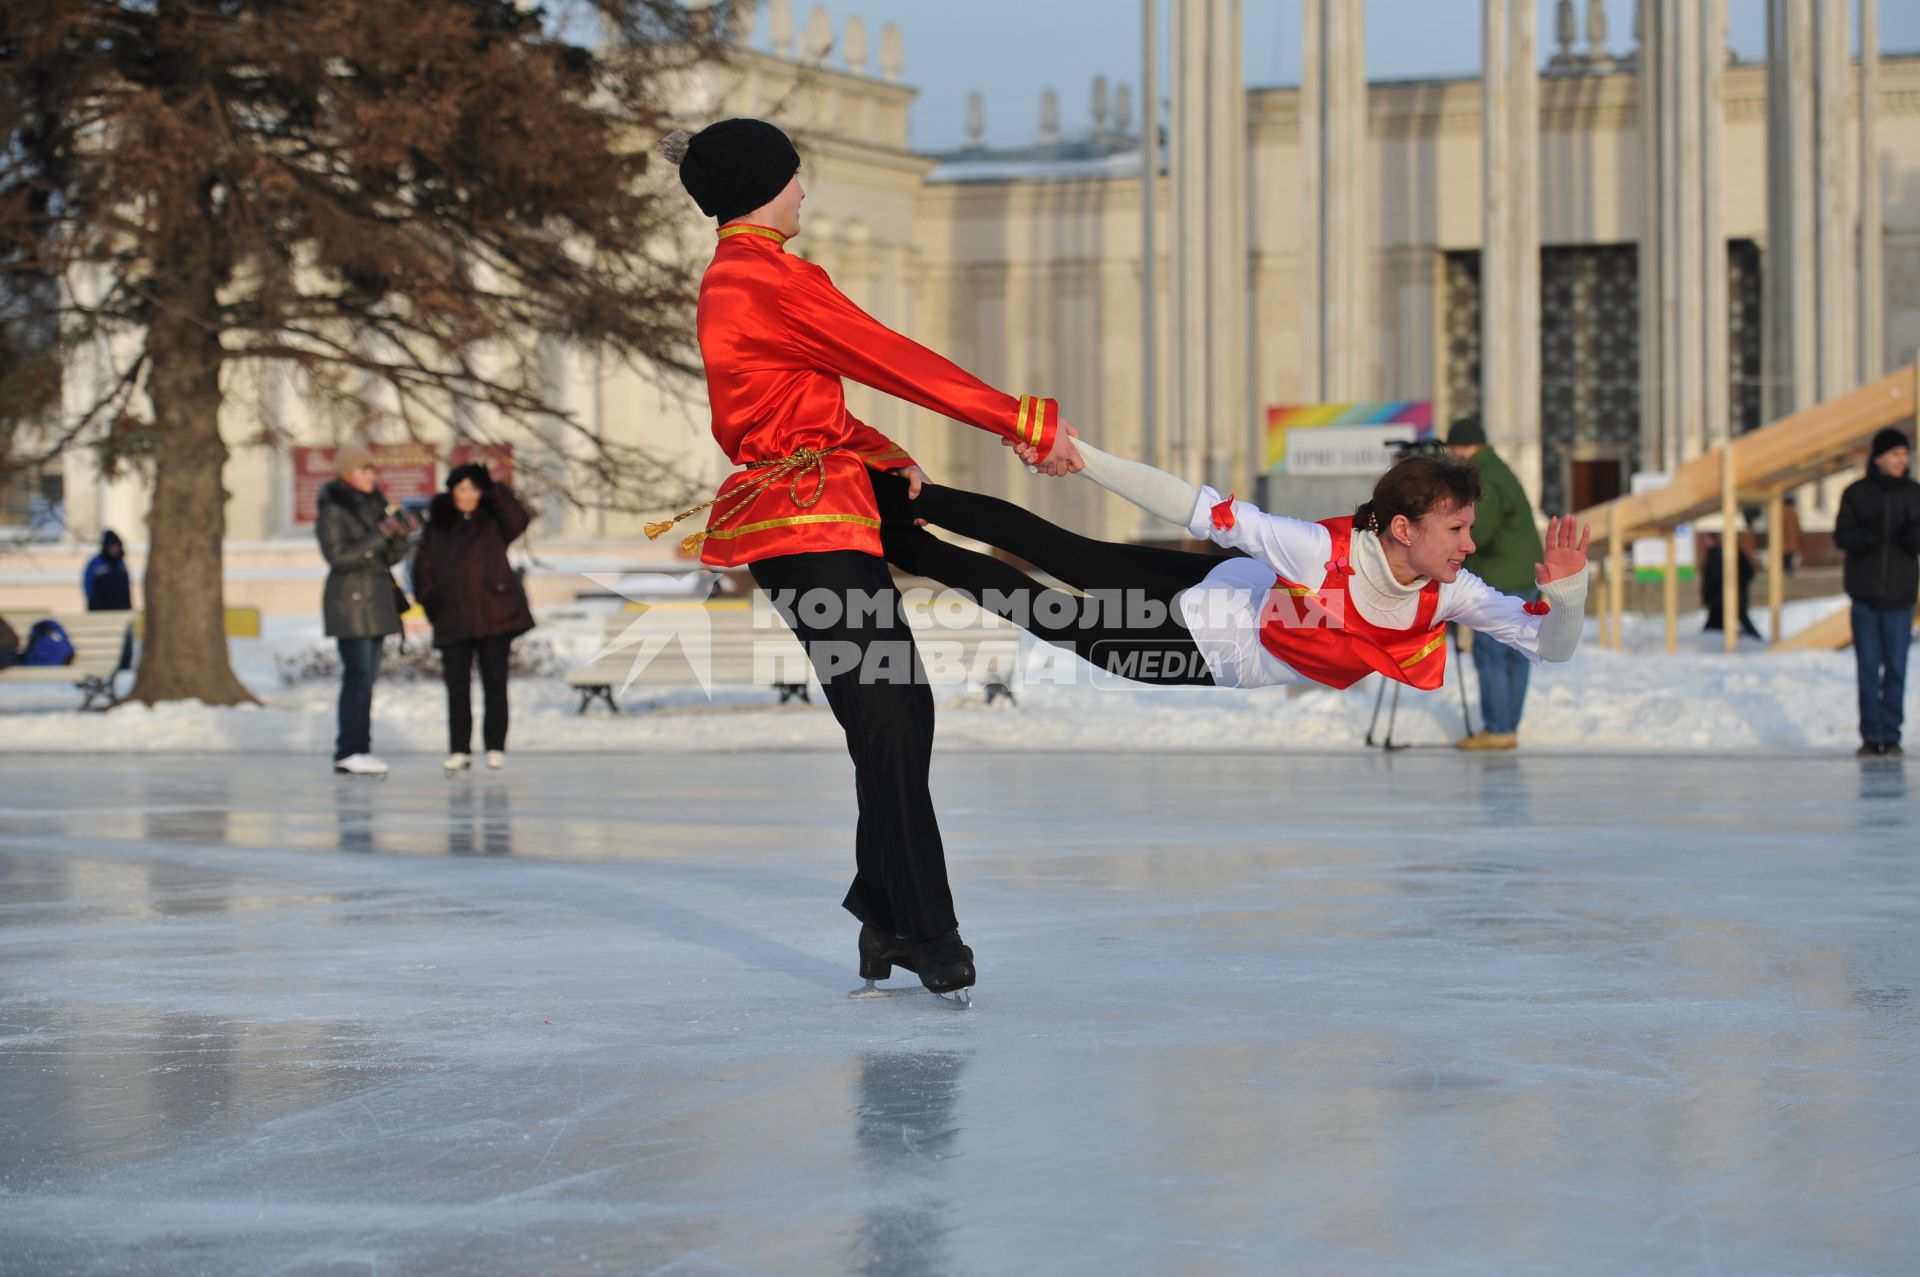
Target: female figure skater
column 1329, row 602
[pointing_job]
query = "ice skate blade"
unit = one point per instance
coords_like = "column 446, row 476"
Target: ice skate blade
column 962, row 998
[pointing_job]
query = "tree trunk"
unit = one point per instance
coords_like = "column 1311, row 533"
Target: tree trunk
column 185, row 655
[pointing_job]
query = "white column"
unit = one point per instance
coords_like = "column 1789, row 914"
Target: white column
column 1187, row 156
column 1149, row 255
column 1646, row 30
column 1791, row 259
column 1252, row 435
column 1179, row 155
column 1522, row 441
column 1337, row 233
column 1683, row 254
column 1873, row 333
column 1834, row 218
column 1204, row 436
column 1715, row 393
column 1496, row 251
column 1224, row 436
column 1670, row 365
column 1361, row 214
column 1336, row 249
column 1686, row 353
column 1313, row 56
column 1345, row 237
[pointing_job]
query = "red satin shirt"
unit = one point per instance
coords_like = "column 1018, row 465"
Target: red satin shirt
column 777, row 338
column 1327, row 640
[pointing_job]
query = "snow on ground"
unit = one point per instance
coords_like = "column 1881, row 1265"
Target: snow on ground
column 1637, row 699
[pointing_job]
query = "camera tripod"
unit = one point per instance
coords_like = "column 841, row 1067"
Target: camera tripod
column 1393, row 710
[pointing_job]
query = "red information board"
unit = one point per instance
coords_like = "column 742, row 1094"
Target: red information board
column 403, row 470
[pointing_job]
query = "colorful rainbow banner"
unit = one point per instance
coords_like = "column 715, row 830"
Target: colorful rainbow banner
column 1417, row 413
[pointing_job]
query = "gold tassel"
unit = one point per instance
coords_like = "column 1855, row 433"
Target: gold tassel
column 692, row 544
column 655, row 529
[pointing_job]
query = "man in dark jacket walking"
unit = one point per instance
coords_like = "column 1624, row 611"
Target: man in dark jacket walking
column 1879, row 528
column 109, row 588
column 474, row 599
column 1508, row 542
column 107, row 585
column 362, row 538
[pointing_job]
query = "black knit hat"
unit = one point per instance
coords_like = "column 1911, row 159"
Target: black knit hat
column 733, row 167
column 1467, row 430
column 1887, row 440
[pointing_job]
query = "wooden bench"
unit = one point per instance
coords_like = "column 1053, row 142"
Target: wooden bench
column 745, row 648
column 99, row 640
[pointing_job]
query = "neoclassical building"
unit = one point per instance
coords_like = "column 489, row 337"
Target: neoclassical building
column 1343, row 242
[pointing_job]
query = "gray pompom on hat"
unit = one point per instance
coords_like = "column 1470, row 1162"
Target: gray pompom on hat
column 733, row 167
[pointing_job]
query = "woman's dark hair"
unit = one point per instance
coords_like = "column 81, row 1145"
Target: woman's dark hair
column 1415, row 485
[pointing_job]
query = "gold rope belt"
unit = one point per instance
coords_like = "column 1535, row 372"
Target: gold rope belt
column 797, row 466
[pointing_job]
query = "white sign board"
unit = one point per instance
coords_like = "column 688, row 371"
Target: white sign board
column 1651, row 552
column 1345, row 449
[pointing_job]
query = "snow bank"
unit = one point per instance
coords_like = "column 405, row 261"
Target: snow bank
column 1639, row 699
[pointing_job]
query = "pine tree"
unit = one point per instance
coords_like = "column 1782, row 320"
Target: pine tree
column 392, row 202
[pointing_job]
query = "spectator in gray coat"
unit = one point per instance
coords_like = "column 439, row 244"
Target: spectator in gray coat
column 362, row 538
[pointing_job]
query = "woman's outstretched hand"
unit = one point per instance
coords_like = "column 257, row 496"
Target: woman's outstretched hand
column 1566, row 553
column 1063, row 460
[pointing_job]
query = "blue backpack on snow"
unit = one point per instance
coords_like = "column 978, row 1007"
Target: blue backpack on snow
column 47, row 644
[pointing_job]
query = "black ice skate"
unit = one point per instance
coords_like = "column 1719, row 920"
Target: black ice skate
column 944, row 965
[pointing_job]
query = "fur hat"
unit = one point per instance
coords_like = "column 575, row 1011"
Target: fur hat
column 349, row 457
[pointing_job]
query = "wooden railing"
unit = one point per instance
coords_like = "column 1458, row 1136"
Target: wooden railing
column 1759, row 467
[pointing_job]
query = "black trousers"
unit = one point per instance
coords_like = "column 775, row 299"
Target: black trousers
column 844, row 608
column 1124, row 622
column 456, row 666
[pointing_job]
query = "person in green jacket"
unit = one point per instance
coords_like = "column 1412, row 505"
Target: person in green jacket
column 1509, row 545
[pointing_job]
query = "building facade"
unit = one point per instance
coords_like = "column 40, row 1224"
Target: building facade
column 1025, row 265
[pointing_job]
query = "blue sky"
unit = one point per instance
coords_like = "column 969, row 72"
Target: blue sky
column 1012, row 49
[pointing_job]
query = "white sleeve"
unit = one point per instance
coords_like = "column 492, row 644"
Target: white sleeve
column 1471, row 602
column 1294, row 548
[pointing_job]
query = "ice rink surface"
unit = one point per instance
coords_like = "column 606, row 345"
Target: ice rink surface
column 1342, row 1015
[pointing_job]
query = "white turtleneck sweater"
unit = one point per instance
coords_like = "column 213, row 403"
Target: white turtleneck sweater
column 1223, row 611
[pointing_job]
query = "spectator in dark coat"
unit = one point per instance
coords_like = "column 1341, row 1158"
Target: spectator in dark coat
column 1712, row 573
column 1879, row 528
column 1792, row 539
column 362, row 538
column 106, row 583
column 475, row 600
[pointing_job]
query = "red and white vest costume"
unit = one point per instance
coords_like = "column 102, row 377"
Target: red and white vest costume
column 1321, row 634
